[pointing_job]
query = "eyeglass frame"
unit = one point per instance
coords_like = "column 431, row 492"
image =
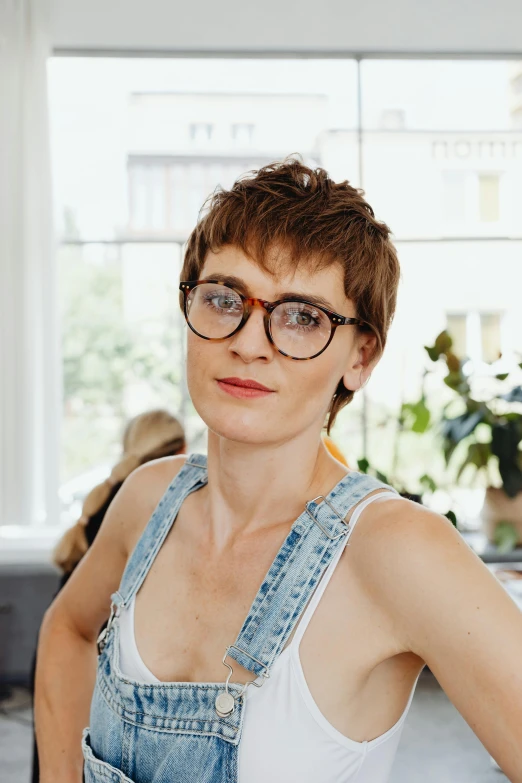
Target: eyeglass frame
column 249, row 302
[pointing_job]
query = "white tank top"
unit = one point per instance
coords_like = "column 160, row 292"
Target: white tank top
column 285, row 736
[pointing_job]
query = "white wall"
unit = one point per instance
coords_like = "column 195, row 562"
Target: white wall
column 468, row 26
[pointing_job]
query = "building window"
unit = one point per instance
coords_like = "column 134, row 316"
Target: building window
column 470, row 197
column 393, row 119
column 201, row 132
column 456, row 325
column 476, row 335
column 454, row 189
column 242, row 133
column 490, row 333
column 489, row 198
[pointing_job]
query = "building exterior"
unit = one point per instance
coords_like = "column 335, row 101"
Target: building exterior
column 183, row 146
column 452, row 198
column 438, row 152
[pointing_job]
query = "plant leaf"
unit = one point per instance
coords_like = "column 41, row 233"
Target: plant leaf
column 515, row 395
column 449, row 448
column 428, row 483
column 416, row 416
column 478, row 455
column 363, row 465
column 505, row 437
column 453, row 363
column 432, row 353
column 505, row 536
column 460, row 427
column 452, row 517
column 443, row 342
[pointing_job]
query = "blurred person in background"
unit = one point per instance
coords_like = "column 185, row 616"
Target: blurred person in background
column 148, row 436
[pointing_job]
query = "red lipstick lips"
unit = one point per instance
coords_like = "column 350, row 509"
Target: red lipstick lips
column 243, row 387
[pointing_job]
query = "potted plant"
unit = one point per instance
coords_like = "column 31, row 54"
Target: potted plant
column 413, row 417
column 495, row 414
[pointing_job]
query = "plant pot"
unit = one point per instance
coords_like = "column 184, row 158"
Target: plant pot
column 498, row 507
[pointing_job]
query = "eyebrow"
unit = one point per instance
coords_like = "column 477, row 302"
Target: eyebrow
column 236, row 282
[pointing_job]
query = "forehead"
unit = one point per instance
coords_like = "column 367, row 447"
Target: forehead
column 278, row 274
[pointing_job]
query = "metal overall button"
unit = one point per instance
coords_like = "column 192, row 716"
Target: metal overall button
column 225, row 702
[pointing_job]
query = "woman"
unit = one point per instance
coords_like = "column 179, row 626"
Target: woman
column 148, row 436
column 266, row 636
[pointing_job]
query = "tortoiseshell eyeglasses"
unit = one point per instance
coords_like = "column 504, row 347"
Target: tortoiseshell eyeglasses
column 297, row 328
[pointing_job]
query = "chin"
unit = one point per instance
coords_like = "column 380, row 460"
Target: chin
column 239, row 425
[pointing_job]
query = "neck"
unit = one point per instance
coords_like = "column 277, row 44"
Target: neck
column 253, row 487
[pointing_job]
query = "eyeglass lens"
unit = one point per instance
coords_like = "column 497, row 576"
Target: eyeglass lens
column 298, row 329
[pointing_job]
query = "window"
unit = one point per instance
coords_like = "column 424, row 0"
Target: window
column 435, row 150
column 242, row 133
column 470, row 198
column 128, row 203
column 456, row 325
column 490, row 332
column 476, row 335
column 201, row 132
column 454, row 195
column 489, row 206
column 393, row 119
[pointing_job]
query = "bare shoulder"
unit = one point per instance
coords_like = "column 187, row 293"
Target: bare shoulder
column 398, row 541
column 417, row 566
column 141, row 493
column 405, row 526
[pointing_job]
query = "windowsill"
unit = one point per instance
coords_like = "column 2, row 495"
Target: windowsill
column 23, row 545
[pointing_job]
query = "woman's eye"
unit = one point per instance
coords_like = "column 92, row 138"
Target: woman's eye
column 224, row 301
column 299, row 317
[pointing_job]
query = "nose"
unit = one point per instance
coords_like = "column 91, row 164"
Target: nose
column 251, row 342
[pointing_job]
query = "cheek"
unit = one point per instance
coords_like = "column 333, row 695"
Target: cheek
column 200, row 354
column 313, row 383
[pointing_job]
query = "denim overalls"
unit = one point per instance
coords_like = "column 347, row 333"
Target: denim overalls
column 178, row 732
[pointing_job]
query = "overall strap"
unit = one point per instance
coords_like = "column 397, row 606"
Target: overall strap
column 191, row 477
column 312, row 542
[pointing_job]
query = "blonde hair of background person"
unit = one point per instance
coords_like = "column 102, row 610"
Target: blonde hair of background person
column 406, row 592
column 150, row 435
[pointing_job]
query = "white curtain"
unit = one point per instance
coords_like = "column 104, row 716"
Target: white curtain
column 29, row 356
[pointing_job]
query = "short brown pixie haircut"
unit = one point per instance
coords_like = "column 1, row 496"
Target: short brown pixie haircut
column 289, row 214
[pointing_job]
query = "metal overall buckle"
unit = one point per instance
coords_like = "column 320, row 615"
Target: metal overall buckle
column 103, row 636
column 225, row 702
column 337, row 514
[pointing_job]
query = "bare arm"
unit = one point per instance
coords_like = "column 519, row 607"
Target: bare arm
column 452, row 612
column 67, row 654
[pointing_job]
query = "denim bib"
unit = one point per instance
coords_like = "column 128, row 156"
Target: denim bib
column 176, row 732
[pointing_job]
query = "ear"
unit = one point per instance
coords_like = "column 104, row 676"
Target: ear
column 362, row 361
